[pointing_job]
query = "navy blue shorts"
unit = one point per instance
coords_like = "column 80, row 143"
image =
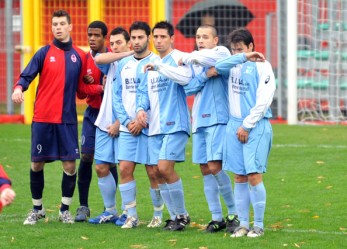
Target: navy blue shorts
column 50, row 142
column 88, row 130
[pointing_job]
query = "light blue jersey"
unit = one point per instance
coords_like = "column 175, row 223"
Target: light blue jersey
column 164, row 97
column 107, row 114
column 211, row 94
column 129, row 73
column 251, row 88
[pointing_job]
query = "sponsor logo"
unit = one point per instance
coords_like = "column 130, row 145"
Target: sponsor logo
column 267, row 79
column 73, row 58
column 89, row 71
column 206, row 115
column 170, row 123
column 52, row 59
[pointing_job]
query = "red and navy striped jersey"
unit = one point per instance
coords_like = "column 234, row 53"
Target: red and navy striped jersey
column 93, row 92
column 4, row 180
column 61, row 67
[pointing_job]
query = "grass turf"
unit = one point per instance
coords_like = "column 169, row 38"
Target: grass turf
column 306, row 199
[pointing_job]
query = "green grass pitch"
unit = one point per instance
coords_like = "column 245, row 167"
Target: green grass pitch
column 306, row 199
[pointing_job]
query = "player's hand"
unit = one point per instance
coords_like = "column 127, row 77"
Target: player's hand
column 242, row 135
column 211, row 72
column 149, row 67
column 88, row 79
column 134, row 128
column 113, row 129
column 7, row 196
column 255, row 57
column 17, row 96
column 142, row 118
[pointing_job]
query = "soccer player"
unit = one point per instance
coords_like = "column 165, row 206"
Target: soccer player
column 54, row 128
column 169, row 126
column 248, row 134
column 132, row 141
column 93, row 92
column 210, row 115
column 7, row 194
column 107, row 127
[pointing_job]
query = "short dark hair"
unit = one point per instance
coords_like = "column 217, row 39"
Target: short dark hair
column 139, row 25
column 121, row 31
column 165, row 25
column 99, row 25
column 60, row 13
column 241, row 35
column 213, row 28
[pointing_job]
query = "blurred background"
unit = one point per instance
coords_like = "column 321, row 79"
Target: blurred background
column 315, row 80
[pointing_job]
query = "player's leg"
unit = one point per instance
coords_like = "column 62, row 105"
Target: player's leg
column 68, row 149
column 86, row 162
column 157, row 201
column 42, row 147
column 68, row 187
column 233, row 161
column 104, row 157
column 214, row 136
column 242, row 201
column 127, row 145
column 255, row 164
column 211, row 191
column 173, row 149
column 36, row 187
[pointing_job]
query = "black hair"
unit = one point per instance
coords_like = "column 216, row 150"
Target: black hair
column 60, row 13
column 122, row 31
column 99, row 25
column 241, row 35
column 139, row 25
column 165, row 25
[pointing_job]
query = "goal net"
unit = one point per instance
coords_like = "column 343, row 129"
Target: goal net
column 322, row 61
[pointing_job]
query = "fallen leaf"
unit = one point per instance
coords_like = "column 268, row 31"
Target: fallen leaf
column 12, row 239
column 203, row 247
column 46, row 220
column 137, row 246
column 315, row 217
column 285, row 244
column 277, row 225
column 289, row 225
column 320, row 162
column 286, row 206
column 329, row 187
column 196, row 177
column 50, row 210
column 173, row 242
column 9, row 166
column 320, row 177
column 84, row 238
column 296, row 245
column 343, row 229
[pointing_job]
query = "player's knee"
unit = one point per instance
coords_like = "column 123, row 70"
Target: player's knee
column 240, row 178
column 101, row 170
column 37, row 166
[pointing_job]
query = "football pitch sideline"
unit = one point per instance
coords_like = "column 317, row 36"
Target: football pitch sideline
column 306, row 199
